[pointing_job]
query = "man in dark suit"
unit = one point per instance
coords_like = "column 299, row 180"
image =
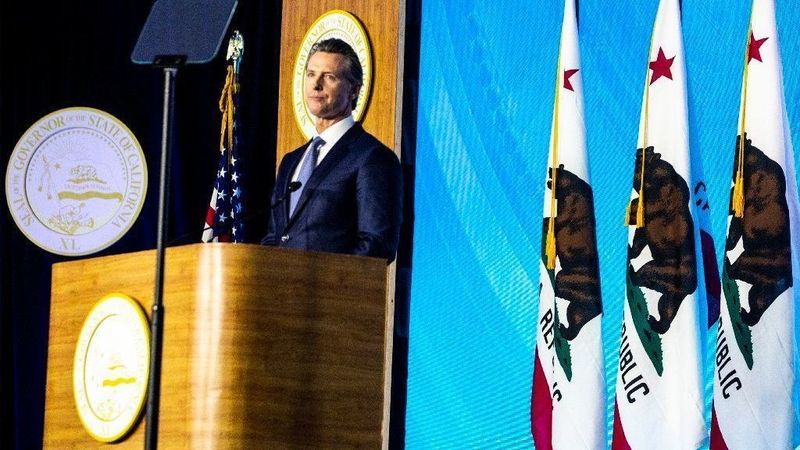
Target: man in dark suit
column 342, row 191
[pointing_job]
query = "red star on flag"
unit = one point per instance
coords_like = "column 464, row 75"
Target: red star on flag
column 661, row 66
column 568, row 73
column 754, row 48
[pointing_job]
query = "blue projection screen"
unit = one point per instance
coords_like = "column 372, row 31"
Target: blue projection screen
column 487, row 72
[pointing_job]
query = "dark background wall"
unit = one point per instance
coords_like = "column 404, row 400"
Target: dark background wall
column 65, row 54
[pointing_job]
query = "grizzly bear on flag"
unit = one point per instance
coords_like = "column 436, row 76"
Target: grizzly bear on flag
column 766, row 262
column 669, row 233
column 578, row 281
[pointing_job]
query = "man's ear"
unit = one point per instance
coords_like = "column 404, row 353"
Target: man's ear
column 355, row 91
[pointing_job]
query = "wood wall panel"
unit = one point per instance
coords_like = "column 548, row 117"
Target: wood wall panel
column 384, row 24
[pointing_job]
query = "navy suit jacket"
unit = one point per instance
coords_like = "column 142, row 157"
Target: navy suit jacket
column 351, row 204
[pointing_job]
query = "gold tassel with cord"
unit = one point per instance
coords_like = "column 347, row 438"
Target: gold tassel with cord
column 641, row 203
column 738, row 197
column 627, row 221
column 738, row 185
column 640, row 213
column 640, row 206
column 550, row 244
column 226, row 108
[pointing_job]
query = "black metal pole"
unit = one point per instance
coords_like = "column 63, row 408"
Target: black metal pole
column 157, row 318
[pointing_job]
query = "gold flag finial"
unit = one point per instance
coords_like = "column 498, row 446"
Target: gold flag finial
column 235, row 50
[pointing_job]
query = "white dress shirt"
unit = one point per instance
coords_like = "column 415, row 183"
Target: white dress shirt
column 331, row 136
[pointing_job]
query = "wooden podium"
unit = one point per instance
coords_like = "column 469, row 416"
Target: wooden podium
column 263, row 347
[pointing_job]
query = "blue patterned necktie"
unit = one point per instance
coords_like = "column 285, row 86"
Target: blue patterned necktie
column 309, row 163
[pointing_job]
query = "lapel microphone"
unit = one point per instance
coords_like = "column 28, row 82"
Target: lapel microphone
column 293, row 186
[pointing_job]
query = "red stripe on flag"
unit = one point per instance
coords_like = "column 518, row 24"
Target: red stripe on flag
column 717, row 441
column 210, row 217
column 541, row 408
column 619, row 441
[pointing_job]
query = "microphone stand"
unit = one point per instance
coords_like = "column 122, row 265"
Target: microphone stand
column 169, row 65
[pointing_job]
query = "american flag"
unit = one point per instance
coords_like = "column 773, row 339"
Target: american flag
column 223, row 218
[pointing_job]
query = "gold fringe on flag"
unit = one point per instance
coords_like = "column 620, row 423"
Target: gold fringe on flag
column 226, row 108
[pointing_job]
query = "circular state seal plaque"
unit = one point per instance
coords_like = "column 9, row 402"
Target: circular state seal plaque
column 111, row 368
column 333, row 24
column 76, row 181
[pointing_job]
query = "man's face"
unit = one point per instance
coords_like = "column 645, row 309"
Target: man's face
column 328, row 92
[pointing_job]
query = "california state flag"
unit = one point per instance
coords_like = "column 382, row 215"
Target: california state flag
column 754, row 376
column 659, row 400
column 568, row 404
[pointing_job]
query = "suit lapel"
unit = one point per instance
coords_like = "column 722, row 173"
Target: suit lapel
column 287, row 176
column 332, row 159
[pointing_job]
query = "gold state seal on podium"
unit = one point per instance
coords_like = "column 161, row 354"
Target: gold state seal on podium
column 111, row 367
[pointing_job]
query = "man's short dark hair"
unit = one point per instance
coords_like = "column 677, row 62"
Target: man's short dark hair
column 354, row 72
